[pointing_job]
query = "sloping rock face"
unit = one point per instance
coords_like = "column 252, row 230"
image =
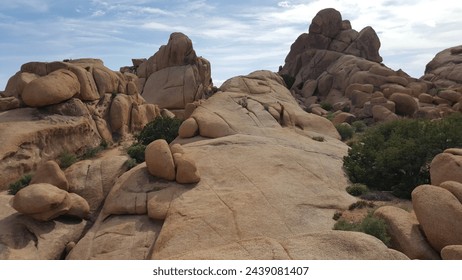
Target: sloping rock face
column 174, row 76
column 67, row 106
column 264, row 183
column 338, row 65
column 445, row 70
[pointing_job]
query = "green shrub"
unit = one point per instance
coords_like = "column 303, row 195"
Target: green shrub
column 24, row 181
column 345, row 130
column 359, row 126
column 369, row 225
column 326, row 106
column 130, row 163
column 289, row 80
column 159, row 128
column 136, row 152
column 395, row 156
column 357, row 189
column 66, row 159
column 361, row 204
column 337, row 215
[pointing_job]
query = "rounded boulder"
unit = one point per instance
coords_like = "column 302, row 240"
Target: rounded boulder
column 159, row 160
column 54, row 88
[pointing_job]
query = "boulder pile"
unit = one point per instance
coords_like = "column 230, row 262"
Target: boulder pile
column 337, row 65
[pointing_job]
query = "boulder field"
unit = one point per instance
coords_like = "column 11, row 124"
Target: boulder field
column 255, row 172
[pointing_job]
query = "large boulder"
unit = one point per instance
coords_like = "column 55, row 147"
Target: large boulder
column 54, row 88
column 175, row 76
column 445, row 69
column 405, row 233
column 159, row 160
column 406, row 105
column 452, row 252
column 50, row 172
column 17, row 83
column 438, row 212
column 446, row 167
column 24, row 238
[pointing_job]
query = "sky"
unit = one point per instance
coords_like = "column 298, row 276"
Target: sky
column 237, row 37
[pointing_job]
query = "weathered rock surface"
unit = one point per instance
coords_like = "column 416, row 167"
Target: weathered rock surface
column 263, row 180
column 446, row 167
column 336, row 245
column 22, row 237
column 93, row 179
column 452, row 252
column 446, row 68
column 159, row 160
column 405, row 234
column 49, row 172
column 54, row 88
column 45, row 202
column 174, row 75
column 438, row 212
column 186, row 170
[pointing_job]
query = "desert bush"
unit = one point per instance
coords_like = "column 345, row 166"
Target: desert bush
column 159, row 128
column 357, row 189
column 369, row 225
column 136, row 152
column 130, row 163
column 359, row 126
column 326, row 106
column 361, row 204
column 345, row 130
column 15, row 187
column 377, row 196
column 92, row 152
column 395, row 156
column 66, row 159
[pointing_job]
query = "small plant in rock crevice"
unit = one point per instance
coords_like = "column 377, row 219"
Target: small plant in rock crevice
column 23, row 182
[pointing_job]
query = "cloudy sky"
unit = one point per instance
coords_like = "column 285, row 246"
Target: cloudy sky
column 237, row 36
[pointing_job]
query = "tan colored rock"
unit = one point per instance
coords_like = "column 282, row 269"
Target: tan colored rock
column 79, row 206
column 446, row 167
column 159, row 202
column 211, row 125
column 445, row 68
column 359, row 98
column 325, row 245
column 438, row 212
column 106, row 80
column 426, row 98
column 120, row 113
column 93, row 179
column 159, row 160
column 72, row 107
column 188, row 128
column 23, row 238
column 343, row 117
column 88, row 89
column 17, row 83
column 42, row 202
column 382, row 114
column 405, row 234
column 454, row 187
column 141, row 115
column 186, row 170
column 54, row 88
column 405, row 104
column 9, row 103
column 103, row 129
column 367, row 88
column 176, row 149
column 450, row 95
column 452, row 252
column 49, row 172
column 38, row 68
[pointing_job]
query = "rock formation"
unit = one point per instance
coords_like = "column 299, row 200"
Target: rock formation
column 267, row 190
column 65, row 107
column 174, row 76
column 338, row 65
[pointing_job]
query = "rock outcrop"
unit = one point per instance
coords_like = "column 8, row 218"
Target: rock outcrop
column 446, row 166
column 445, row 70
column 266, row 188
column 340, row 66
column 65, row 107
column 174, row 76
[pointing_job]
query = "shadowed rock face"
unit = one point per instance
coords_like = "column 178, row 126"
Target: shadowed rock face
column 445, row 69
